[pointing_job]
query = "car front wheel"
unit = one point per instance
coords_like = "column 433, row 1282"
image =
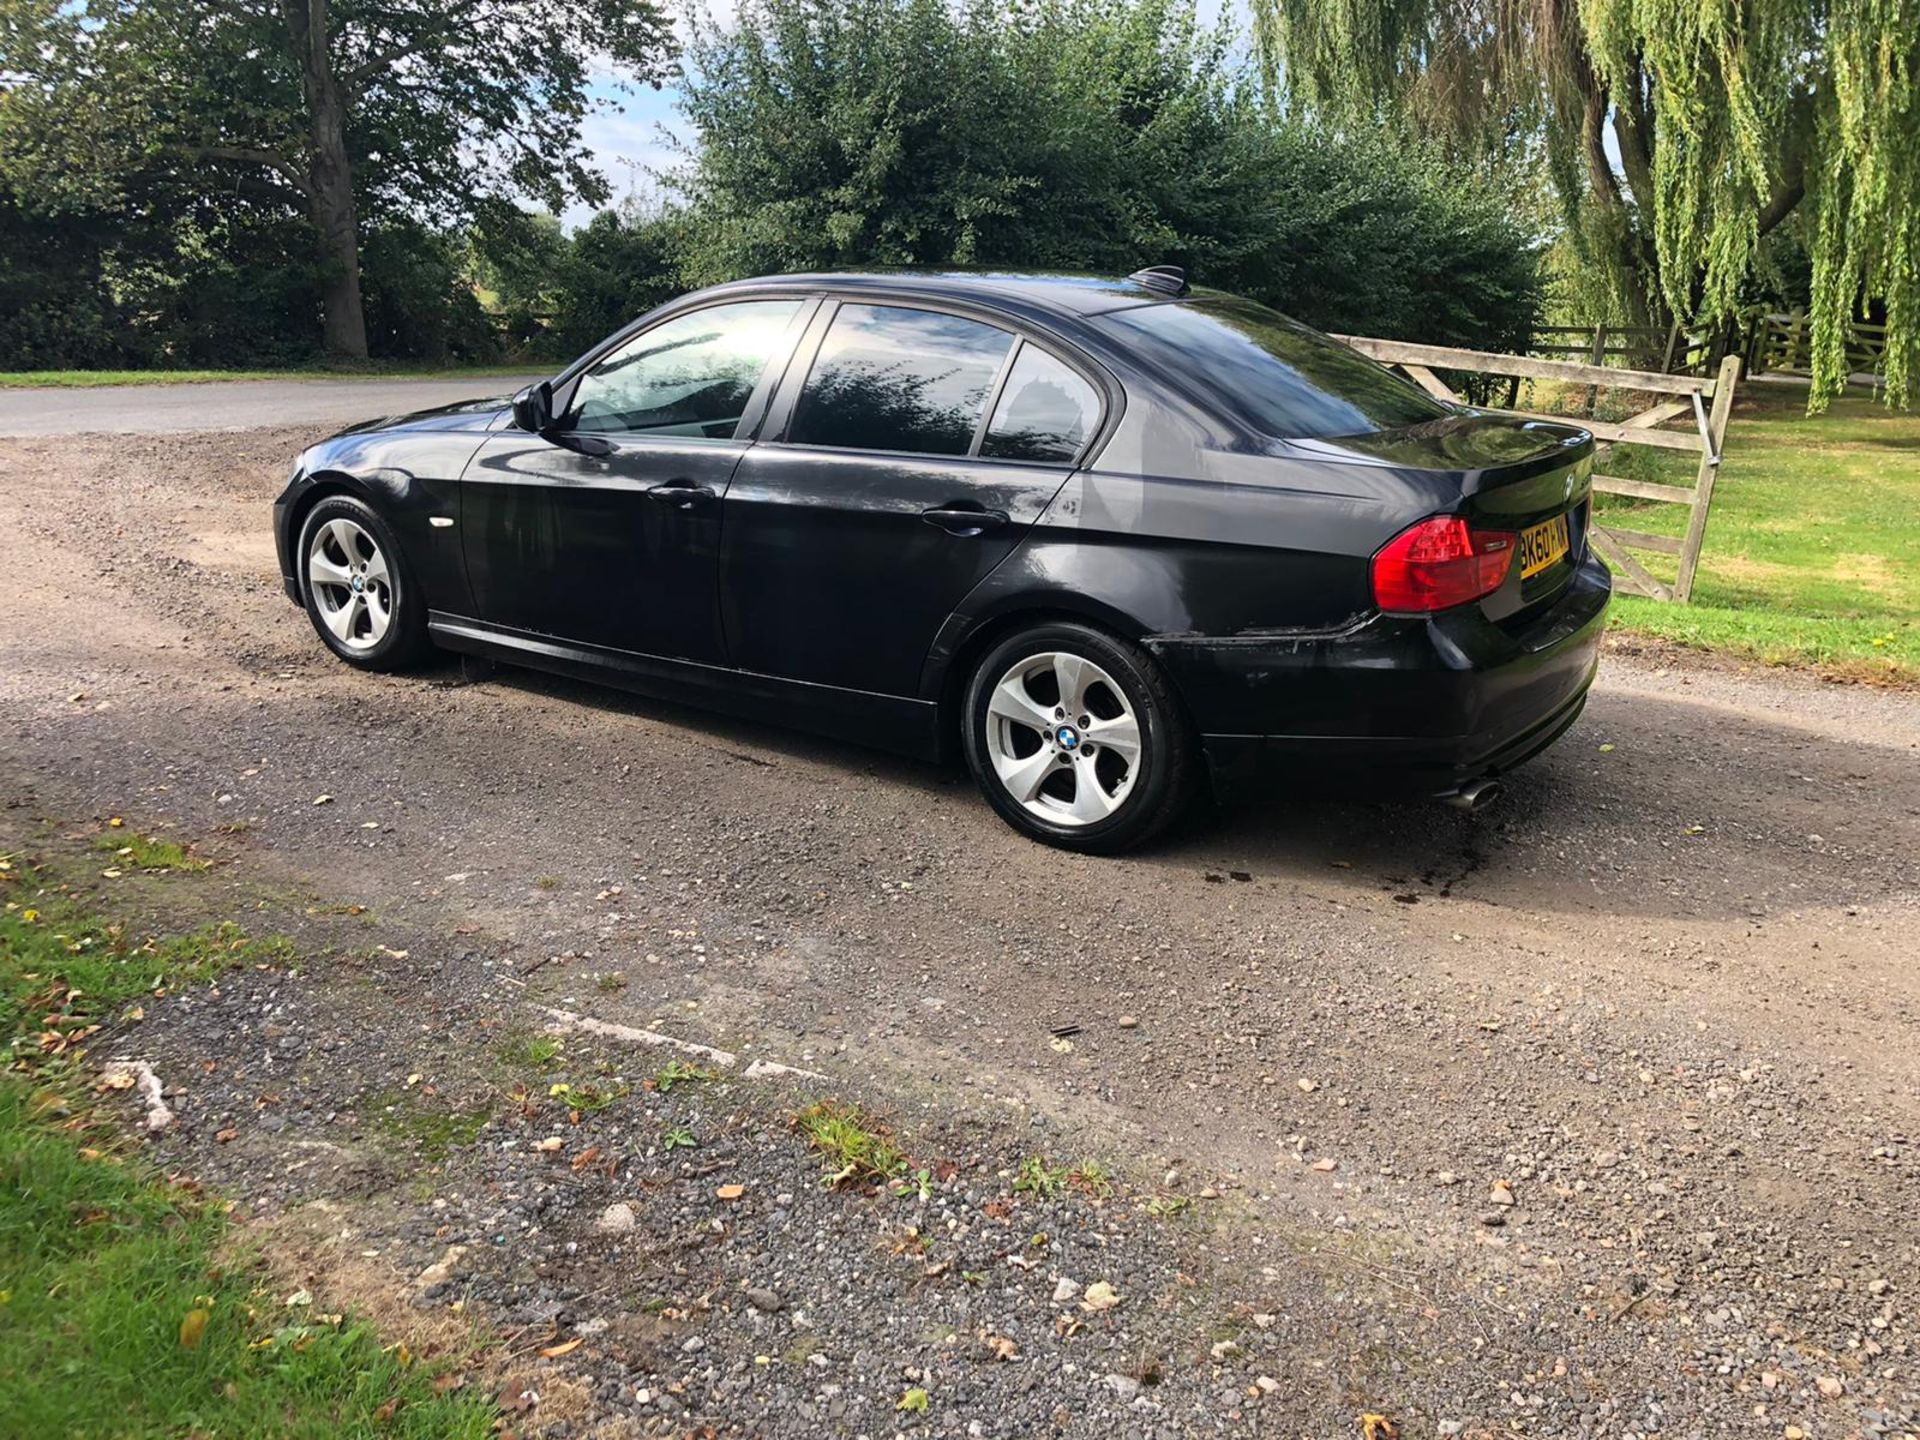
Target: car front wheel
column 358, row 593
column 1077, row 739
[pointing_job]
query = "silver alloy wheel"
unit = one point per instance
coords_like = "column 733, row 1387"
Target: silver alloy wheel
column 350, row 583
column 1062, row 738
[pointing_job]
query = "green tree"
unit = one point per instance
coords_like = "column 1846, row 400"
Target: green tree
column 1677, row 133
column 1076, row 134
column 331, row 109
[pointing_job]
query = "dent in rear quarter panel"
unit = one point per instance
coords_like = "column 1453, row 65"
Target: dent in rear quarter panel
column 408, row 476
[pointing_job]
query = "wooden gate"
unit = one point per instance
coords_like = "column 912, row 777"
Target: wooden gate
column 1709, row 400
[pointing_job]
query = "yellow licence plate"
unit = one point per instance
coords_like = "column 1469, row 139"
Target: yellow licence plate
column 1542, row 545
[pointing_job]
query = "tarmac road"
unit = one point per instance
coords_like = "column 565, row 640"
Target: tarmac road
column 232, row 405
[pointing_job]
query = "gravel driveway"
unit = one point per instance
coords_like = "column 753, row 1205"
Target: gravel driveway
column 1595, row 1114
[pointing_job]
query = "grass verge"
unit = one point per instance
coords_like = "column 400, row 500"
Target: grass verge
column 90, row 379
column 123, row 1311
column 1812, row 554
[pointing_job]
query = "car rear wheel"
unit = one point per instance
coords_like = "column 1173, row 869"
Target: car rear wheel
column 1076, row 739
column 358, row 594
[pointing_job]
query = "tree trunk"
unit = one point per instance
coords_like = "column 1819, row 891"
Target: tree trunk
column 330, row 181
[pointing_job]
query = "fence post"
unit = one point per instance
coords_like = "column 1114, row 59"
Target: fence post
column 1703, row 482
column 1673, row 339
column 1599, row 358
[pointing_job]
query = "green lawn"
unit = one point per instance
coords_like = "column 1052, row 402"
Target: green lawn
column 86, row 379
column 1813, row 547
column 124, row 1309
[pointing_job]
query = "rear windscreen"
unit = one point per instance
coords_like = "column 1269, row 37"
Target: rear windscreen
column 1280, row 377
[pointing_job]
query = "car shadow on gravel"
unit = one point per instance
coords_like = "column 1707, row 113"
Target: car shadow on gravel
column 1641, row 810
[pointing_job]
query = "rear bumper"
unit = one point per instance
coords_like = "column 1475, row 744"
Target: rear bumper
column 1391, row 706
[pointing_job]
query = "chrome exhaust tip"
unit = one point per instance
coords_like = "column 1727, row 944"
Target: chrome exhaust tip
column 1474, row 796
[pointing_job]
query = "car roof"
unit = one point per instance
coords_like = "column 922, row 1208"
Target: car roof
column 1059, row 292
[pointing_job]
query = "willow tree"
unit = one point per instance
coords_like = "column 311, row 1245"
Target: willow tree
column 1676, row 133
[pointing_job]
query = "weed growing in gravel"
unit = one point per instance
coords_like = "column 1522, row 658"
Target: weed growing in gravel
column 1036, row 1177
column 585, row 1099
column 678, row 1072
column 546, row 882
column 612, row 981
column 1089, row 1177
column 64, row 972
column 530, row 1051
column 859, row 1146
column 678, row 1138
column 1165, row 1207
column 433, row 1132
column 148, row 852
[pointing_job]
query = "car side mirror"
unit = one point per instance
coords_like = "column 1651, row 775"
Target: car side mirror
column 533, row 408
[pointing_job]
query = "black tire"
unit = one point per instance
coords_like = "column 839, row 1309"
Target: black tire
column 404, row 642
column 1153, row 792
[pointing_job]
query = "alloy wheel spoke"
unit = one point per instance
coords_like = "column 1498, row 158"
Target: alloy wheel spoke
column 346, row 536
column 378, row 615
column 1010, row 701
column 1122, row 734
column 1023, row 778
column 1076, row 677
column 323, row 571
column 343, row 620
column 1090, row 802
column 377, row 567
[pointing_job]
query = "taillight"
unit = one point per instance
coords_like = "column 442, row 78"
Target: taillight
column 1440, row 563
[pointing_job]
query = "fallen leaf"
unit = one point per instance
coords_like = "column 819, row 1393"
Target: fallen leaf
column 730, row 1192
column 1061, row 1046
column 1100, row 1296
column 548, row 1145
column 385, row 1411
column 1002, row 1347
column 193, row 1327
column 1326, row 1164
column 586, row 1157
column 565, row 1347
column 914, row 1402
column 1377, row 1427
column 518, row 1399
column 117, row 1080
column 224, row 1136
column 448, row 1381
column 1606, row 749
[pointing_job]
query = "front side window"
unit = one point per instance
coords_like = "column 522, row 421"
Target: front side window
column 893, row 378
column 1046, row 411
column 1283, row 379
column 691, row 375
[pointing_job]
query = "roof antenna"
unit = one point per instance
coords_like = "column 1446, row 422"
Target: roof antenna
column 1162, row 279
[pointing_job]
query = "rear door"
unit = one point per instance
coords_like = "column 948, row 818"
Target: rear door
column 619, row 549
column 898, row 468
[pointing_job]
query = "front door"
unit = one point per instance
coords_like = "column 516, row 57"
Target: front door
column 917, row 452
column 619, row 549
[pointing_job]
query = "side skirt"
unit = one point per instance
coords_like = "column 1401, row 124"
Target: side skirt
column 886, row 722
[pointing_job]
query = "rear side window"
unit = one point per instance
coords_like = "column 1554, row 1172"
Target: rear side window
column 893, row 378
column 1046, row 411
column 691, row 375
column 1282, row 378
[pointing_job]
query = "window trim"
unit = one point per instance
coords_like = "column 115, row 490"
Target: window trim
column 772, row 374
column 776, row 423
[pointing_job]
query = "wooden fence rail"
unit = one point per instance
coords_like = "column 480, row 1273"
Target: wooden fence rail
column 1780, row 347
column 1708, row 400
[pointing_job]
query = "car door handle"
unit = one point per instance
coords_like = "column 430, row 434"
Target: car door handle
column 681, row 494
column 963, row 519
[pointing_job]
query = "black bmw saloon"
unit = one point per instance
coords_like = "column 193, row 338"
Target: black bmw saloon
column 1112, row 540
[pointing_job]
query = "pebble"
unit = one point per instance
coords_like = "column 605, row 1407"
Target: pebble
column 764, row 1299
column 1064, row 1290
column 1129, row 1022
column 617, row 1217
